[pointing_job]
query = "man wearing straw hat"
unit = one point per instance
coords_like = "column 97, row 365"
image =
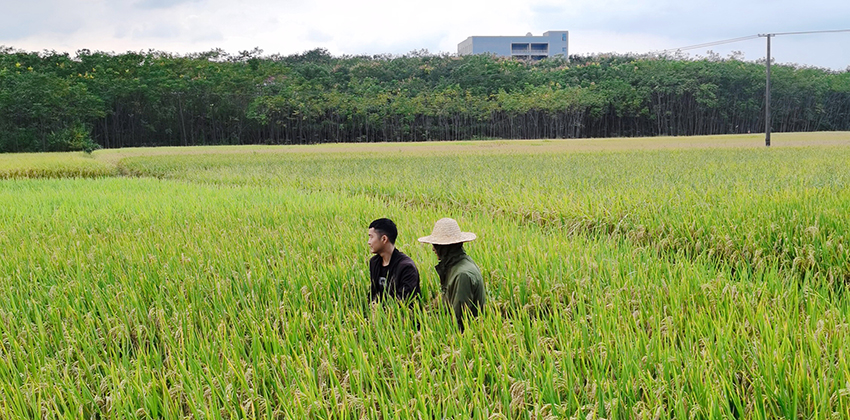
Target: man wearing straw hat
column 460, row 279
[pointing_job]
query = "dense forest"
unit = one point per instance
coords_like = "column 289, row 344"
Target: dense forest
column 55, row 101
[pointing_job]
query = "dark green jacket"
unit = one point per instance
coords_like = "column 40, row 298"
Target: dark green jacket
column 462, row 285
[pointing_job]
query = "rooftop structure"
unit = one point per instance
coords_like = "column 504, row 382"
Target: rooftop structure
column 529, row 47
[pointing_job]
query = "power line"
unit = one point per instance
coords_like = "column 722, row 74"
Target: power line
column 767, row 64
column 747, row 38
column 711, row 44
column 767, row 82
column 808, row 32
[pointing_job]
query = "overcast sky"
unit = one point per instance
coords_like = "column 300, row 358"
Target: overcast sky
column 397, row 27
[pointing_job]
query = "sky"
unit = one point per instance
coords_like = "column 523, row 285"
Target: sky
column 397, row 27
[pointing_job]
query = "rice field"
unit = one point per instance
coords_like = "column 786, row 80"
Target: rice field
column 52, row 165
column 670, row 282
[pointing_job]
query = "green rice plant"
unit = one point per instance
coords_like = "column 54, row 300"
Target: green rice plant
column 744, row 207
column 621, row 284
column 52, row 165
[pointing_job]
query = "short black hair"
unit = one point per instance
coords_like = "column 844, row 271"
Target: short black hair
column 385, row 226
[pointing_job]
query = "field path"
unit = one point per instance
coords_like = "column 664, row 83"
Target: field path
column 842, row 138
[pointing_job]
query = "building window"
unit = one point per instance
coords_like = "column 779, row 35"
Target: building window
column 540, row 47
column 563, row 37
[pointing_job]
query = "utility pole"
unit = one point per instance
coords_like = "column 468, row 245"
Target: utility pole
column 767, row 85
column 767, row 65
column 767, row 93
column 767, row 97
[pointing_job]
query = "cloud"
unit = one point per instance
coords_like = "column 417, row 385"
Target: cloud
column 158, row 30
column 198, row 31
column 161, row 4
column 20, row 20
column 385, row 26
column 318, row 36
column 642, row 26
column 694, row 20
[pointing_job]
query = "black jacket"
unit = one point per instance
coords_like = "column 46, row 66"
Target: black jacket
column 402, row 278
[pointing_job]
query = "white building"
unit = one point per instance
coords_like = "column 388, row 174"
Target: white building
column 529, row 47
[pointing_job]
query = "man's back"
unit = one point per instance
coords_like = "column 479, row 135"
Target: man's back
column 464, row 287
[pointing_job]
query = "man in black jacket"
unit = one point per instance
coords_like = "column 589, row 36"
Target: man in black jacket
column 393, row 273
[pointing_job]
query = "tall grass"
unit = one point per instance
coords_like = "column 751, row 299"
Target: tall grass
column 235, row 286
column 745, row 208
column 52, row 165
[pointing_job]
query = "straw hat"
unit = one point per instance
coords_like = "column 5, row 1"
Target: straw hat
column 446, row 232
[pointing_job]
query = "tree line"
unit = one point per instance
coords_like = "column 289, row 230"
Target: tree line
column 55, row 101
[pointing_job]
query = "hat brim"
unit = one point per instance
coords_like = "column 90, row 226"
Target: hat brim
column 444, row 240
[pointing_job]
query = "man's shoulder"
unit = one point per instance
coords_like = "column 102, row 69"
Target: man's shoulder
column 374, row 260
column 468, row 267
column 404, row 260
